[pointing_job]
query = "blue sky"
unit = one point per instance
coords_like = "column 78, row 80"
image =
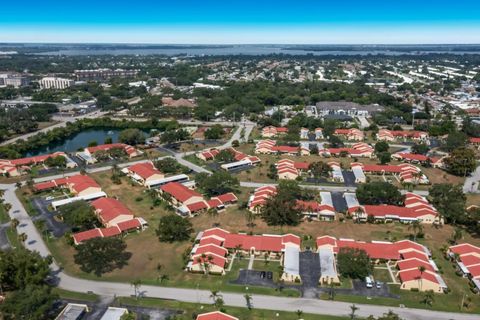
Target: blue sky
column 246, row 21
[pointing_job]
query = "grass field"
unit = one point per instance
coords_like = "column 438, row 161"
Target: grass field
column 192, row 309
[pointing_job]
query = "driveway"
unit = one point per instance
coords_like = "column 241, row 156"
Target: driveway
column 339, row 202
column 349, row 178
column 4, row 243
column 58, row 229
column 309, row 273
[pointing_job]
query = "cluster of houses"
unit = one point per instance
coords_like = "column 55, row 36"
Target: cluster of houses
column 88, row 155
column 416, row 208
column 271, row 147
column 305, row 134
column 18, row 167
column 242, row 160
column 322, row 210
column 214, row 247
column 436, row 162
column 189, row 202
column 404, row 172
column 352, row 134
column 271, row 131
column 401, row 135
column 115, row 217
column 359, row 149
column 290, row 170
column 467, row 258
column 416, row 269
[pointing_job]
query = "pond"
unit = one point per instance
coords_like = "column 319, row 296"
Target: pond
column 78, row 141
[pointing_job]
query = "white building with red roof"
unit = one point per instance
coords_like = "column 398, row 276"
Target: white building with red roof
column 405, row 172
column 416, row 208
column 215, row 315
column 179, row 194
column 467, row 258
column 352, row 134
column 289, row 169
column 408, row 256
column 395, row 135
column 259, row 197
column 111, row 212
column 214, row 246
column 17, row 167
column 88, row 154
column 356, row 150
column 410, row 157
column 79, row 185
column 144, row 173
column 120, row 228
column 271, row 131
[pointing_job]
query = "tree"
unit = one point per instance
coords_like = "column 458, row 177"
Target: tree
column 225, row 156
column 461, row 162
column 217, row 183
column 20, row 268
column 420, row 148
column 381, row 146
column 455, row 140
column 214, row 132
column 384, row 157
column 449, row 200
column 335, row 142
column 353, row 309
column 32, row 302
column 320, row 169
column 14, row 223
column 248, row 300
column 174, row 228
column 168, row 165
column 379, row 193
column 22, row 237
column 136, row 284
column 299, row 314
column 282, row 208
column 428, row 297
column 353, row 263
column 102, row 255
column 457, row 234
column 131, row 136
column 79, row 215
column 417, row 229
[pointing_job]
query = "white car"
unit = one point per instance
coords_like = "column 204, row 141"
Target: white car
column 368, row 282
column 49, row 198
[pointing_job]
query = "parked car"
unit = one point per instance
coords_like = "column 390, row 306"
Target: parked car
column 368, row 282
column 378, row 284
column 269, row 275
column 49, row 198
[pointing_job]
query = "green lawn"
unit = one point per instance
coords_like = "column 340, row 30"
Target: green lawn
column 191, row 309
column 4, row 217
column 26, row 202
column 381, row 275
column 89, row 297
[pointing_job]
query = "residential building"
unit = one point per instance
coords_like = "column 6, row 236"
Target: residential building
column 395, row 135
column 356, row 150
column 215, row 315
column 79, row 185
column 467, row 258
column 180, row 195
column 407, row 173
column 55, row 83
column 13, row 80
column 17, row 167
column 88, row 154
column 104, row 74
column 346, row 108
column 271, row 131
column 111, row 212
column 144, row 173
column 407, row 255
column 260, row 197
column 352, row 134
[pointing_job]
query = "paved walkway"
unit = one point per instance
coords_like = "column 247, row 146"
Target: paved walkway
column 250, row 262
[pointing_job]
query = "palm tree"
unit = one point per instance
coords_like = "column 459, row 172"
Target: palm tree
column 2, row 193
column 219, row 303
column 417, row 228
column 212, row 212
column 136, row 284
column 457, row 235
column 428, row 298
column 7, row 207
column 299, row 313
column 354, row 308
column 248, row 300
column 18, row 185
column 215, row 294
column 164, row 277
column 14, row 223
column 22, row 237
column 250, row 217
column 422, row 270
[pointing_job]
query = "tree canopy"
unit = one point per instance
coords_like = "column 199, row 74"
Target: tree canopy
column 131, row 136
column 449, row 200
column 174, row 228
column 102, row 255
column 379, row 192
column 282, row 208
column 353, row 263
column 79, row 215
column 461, row 162
column 217, row 183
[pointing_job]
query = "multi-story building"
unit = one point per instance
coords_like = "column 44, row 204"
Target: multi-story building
column 55, row 83
column 104, row 74
column 14, row 80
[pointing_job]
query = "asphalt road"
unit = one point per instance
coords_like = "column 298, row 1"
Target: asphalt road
column 472, row 182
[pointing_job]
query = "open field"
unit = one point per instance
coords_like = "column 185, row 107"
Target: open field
column 191, row 309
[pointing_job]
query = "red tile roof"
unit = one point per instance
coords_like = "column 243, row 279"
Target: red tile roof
column 106, row 147
column 78, row 183
column 87, row 235
column 470, row 260
column 34, row 160
column 129, row 225
column 197, row 206
column 414, row 264
column 464, row 248
column 227, row 197
column 110, row 208
column 111, row 231
column 179, row 191
column 144, row 170
column 216, row 315
column 415, row 274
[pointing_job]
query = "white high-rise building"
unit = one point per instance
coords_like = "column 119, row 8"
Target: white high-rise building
column 55, row 83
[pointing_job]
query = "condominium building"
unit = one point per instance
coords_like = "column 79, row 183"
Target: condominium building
column 104, row 74
column 55, row 83
column 14, row 80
